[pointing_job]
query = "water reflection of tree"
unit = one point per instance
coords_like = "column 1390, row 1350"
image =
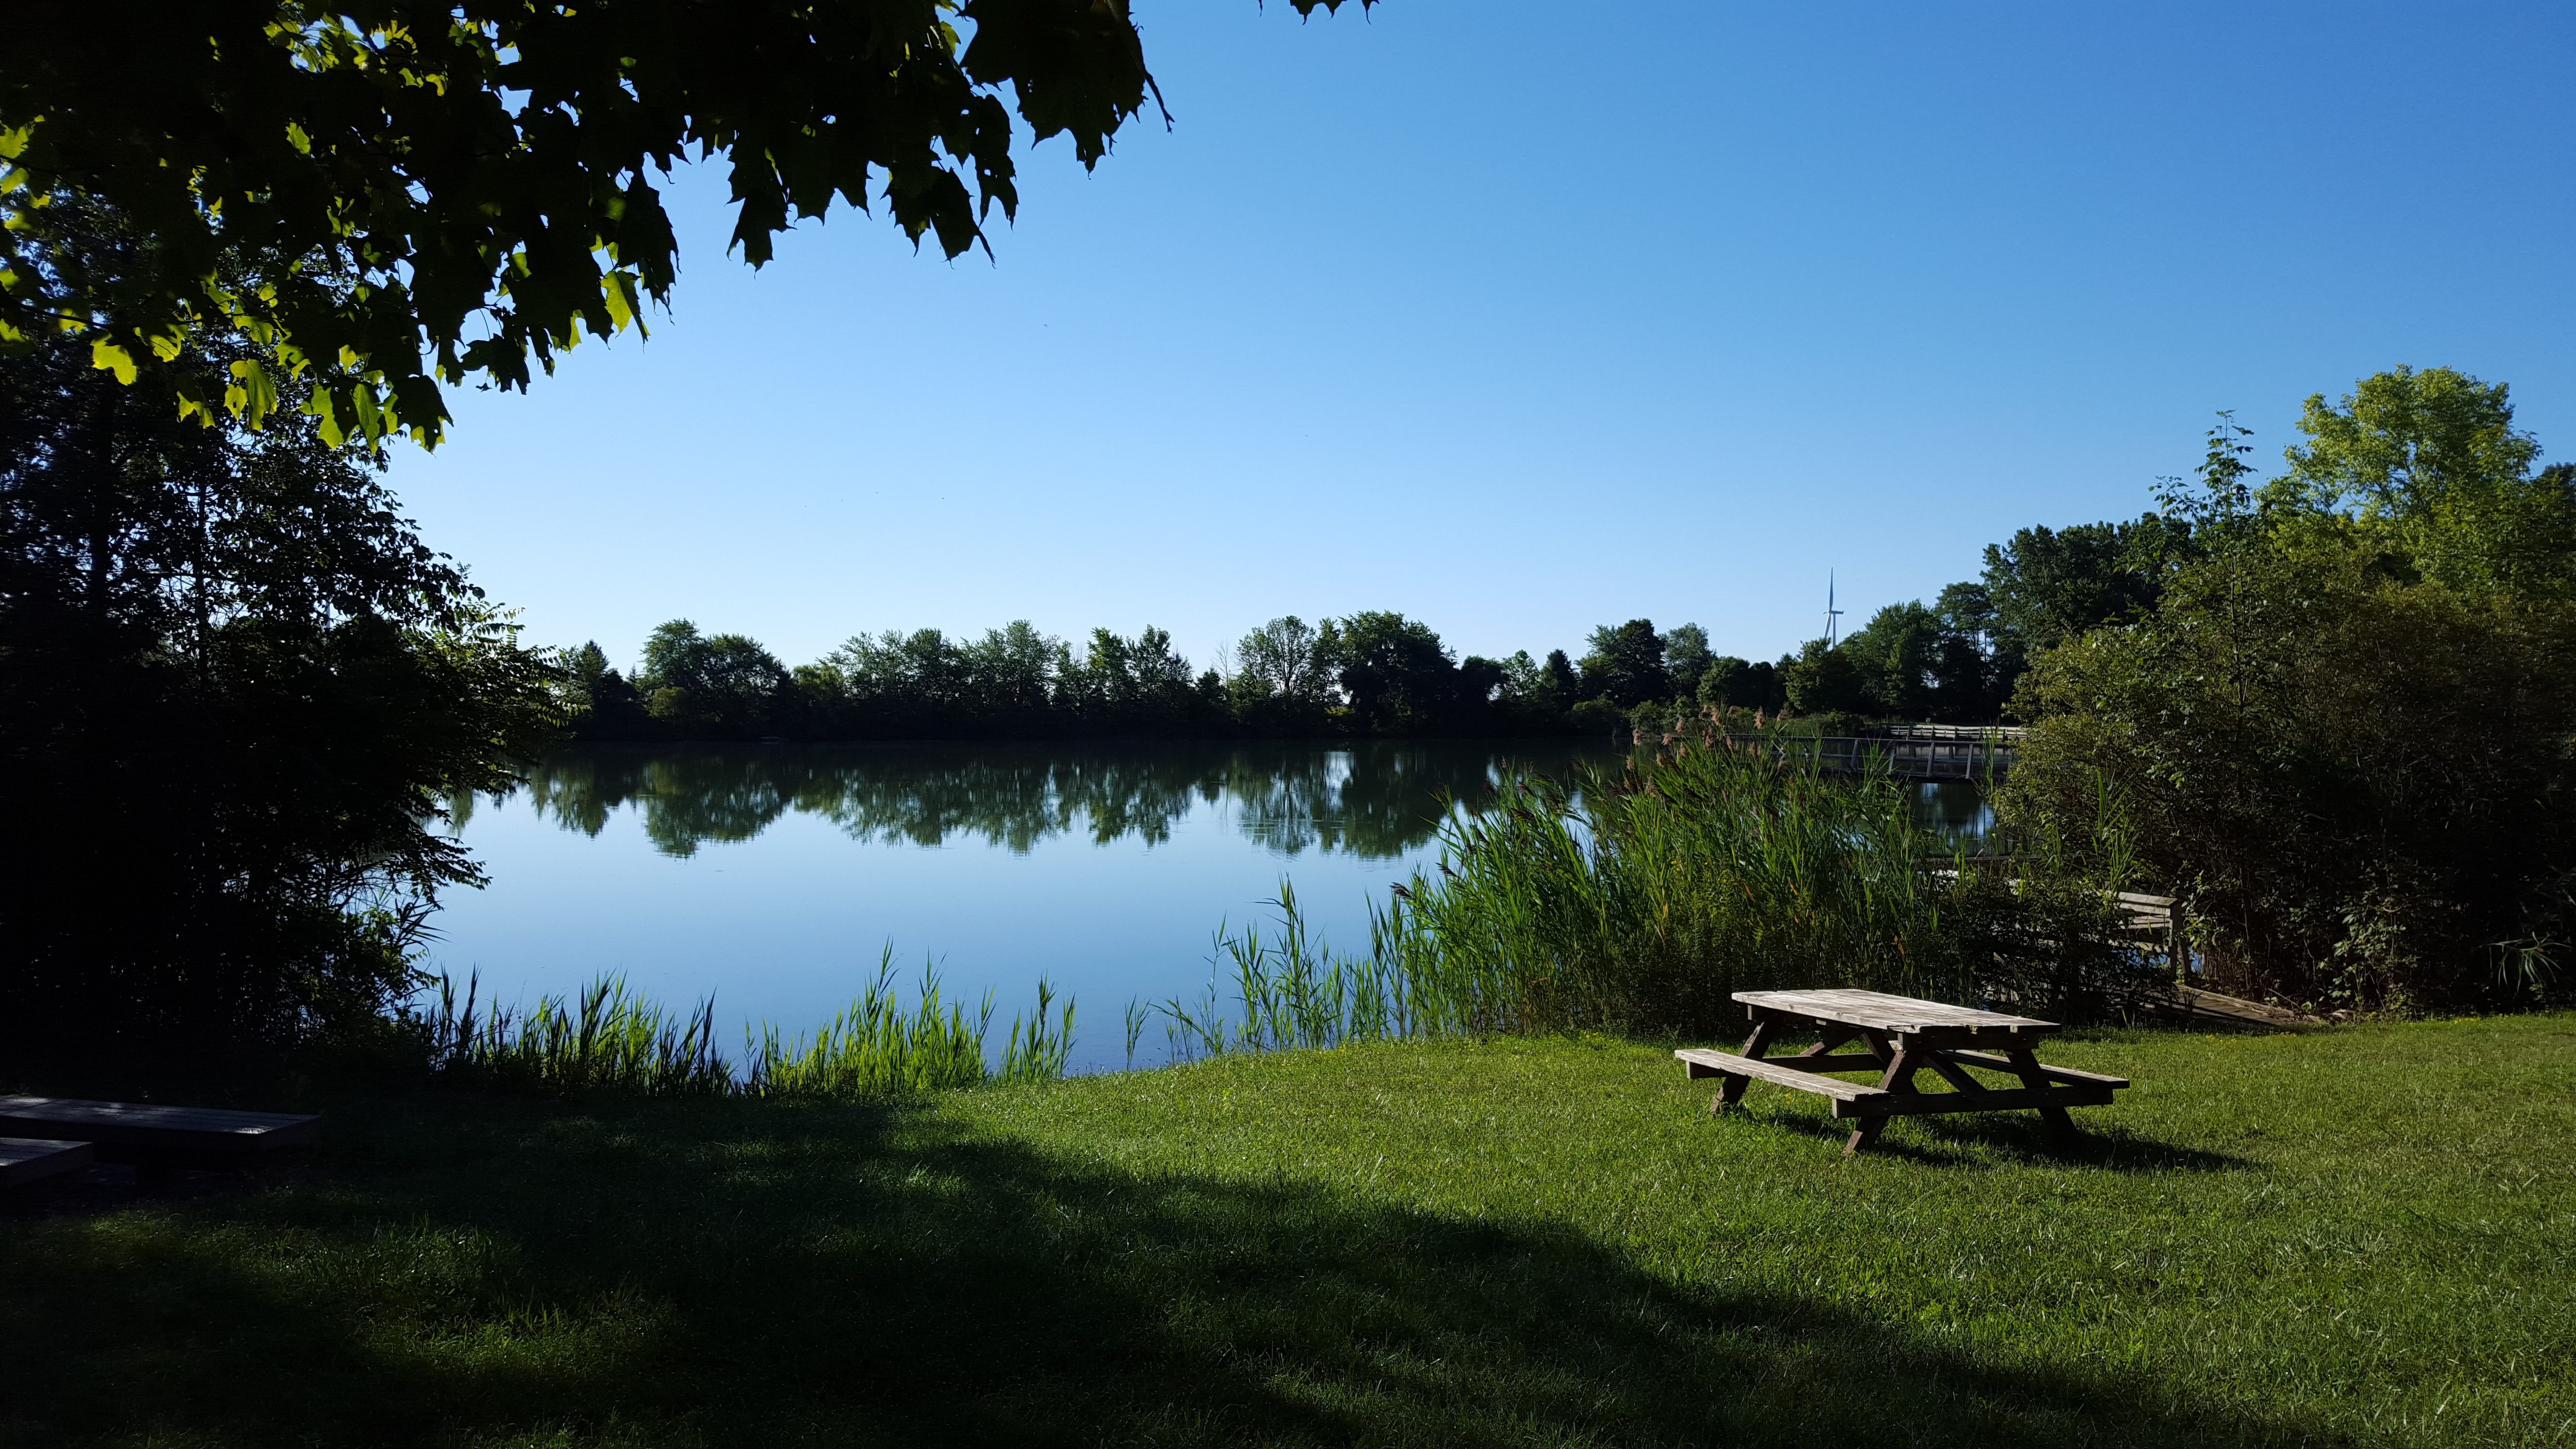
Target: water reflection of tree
column 1376, row 799
column 1956, row 808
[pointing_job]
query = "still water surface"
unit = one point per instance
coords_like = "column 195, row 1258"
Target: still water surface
column 774, row 875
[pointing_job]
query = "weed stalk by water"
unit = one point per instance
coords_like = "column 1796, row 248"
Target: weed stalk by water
column 608, row 1038
column 1642, row 900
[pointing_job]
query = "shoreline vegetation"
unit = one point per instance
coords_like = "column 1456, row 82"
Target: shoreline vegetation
column 1630, row 901
column 606, row 1038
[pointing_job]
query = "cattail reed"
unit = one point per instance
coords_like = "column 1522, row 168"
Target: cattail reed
column 609, row 1038
column 1642, row 900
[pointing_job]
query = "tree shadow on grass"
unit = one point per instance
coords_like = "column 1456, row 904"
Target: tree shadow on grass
column 742, row 1274
column 1973, row 1138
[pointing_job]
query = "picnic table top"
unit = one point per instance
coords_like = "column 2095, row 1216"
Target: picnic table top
column 1902, row 1015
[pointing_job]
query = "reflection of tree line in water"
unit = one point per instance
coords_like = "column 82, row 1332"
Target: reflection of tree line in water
column 1376, row 799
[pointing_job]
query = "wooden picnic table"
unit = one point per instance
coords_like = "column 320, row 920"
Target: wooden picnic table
column 1902, row 1036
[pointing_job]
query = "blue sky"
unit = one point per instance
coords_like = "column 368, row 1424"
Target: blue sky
column 1522, row 318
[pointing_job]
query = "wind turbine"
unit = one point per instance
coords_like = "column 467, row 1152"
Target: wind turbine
column 1831, row 613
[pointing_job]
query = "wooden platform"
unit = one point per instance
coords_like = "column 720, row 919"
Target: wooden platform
column 29, row 1159
column 1903, row 1036
column 142, row 1133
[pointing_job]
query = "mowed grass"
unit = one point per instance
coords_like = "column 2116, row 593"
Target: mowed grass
column 2361, row 1236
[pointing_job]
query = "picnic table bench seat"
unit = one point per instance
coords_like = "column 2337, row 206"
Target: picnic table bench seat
column 31, row 1159
column 156, row 1136
column 1902, row 1035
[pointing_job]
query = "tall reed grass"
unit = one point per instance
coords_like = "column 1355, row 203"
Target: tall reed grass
column 606, row 1037
column 1642, row 899
column 602, row 1037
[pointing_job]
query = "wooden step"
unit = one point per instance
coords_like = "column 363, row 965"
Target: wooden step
column 139, row 1132
column 27, row 1159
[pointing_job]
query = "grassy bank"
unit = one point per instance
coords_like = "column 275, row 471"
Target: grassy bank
column 2347, row 1238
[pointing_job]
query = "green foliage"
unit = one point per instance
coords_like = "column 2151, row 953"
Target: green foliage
column 425, row 192
column 1284, row 677
column 609, row 1040
column 723, row 686
column 2343, row 731
column 875, row 1049
column 1893, row 657
column 1370, row 673
column 1626, row 665
column 1686, row 660
column 1124, row 685
column 240, row 692
column 605, row 1039
column 1395, row 673
column 2429, row 465
column 1641, row 902
column 2046, row 585
column 1821, row 679
column 1644, row 901
column 1597, row 716
column 599, row 702
column 923, row 682
column 1732, row 683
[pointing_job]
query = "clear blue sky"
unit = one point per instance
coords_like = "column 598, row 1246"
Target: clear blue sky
column 1526, row 317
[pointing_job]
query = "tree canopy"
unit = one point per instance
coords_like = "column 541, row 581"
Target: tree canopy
column 377, row 196
column 238, row 691
column 2340, row 729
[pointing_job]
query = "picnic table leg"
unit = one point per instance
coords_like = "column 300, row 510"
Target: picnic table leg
column 1880, row 1045
column 1955, row 1075
column 2060, row 1127
column 1833, row 1037
column 1730, row 1089
column 1899, row 1078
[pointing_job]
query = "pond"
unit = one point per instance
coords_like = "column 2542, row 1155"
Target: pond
column 774, row 876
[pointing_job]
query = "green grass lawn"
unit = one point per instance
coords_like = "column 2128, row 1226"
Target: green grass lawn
column 2359, row 1236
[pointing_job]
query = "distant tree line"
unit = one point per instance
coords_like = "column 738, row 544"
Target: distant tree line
column 1371, row 673
column 1380, row 673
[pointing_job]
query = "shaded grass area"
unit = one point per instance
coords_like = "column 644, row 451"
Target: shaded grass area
column 2358, row 1237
